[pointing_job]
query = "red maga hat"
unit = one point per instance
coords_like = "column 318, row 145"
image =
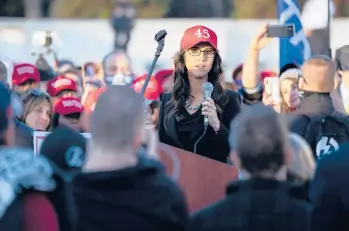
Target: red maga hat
column 24, row 72
column 59, row 84
column 198, row 34
column 68, row 105
column 152, row 92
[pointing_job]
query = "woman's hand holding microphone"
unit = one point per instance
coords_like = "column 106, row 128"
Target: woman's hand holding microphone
column 209, row 110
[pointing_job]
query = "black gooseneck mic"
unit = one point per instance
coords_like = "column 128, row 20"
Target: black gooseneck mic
column 207, row 88
column 160, row 38
column 329, row 27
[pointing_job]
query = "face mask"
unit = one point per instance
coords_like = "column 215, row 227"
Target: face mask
column 118, row 79
column 238, row 82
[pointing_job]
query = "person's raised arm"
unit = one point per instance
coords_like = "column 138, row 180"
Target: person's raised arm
column 250, row 77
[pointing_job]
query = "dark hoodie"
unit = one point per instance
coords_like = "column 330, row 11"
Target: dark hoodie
column 257, row 204
column 136, row 198
column 316, row 106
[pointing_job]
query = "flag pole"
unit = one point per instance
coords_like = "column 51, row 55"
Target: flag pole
column 329, row 27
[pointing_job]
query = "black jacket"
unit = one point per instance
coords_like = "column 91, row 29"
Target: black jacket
column 250, row 99
column 24, row 135
column 257, row 204
column 312, row 104
column 214, row 146
column 329, row 192
column 136, row 198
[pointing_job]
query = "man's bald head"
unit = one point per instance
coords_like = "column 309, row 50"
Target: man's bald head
column 118, row 119
column 3, row 72
column 318, row 74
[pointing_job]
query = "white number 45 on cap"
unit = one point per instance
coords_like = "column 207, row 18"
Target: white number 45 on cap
column 202, row 34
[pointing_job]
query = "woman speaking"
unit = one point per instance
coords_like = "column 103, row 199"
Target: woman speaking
column 182, row 112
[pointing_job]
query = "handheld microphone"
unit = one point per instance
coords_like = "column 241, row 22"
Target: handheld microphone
column 207, row 88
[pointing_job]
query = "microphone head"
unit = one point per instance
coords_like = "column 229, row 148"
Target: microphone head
column 160, row 35
column 207, row 88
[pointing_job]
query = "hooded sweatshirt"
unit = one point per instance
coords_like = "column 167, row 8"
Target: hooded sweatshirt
column 135, row 198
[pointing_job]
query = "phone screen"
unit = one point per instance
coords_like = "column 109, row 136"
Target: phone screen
column 280, row 31
column 89, row 70
column 272, row 88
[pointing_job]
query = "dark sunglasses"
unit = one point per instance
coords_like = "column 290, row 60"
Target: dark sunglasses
column 341, row 67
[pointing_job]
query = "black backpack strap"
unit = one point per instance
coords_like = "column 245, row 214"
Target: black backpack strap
column 309, row 135
column 307, row 129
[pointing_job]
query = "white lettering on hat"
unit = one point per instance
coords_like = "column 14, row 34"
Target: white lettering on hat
column 71, row 103
column 205, row 34
column 25, row 69
column 61, row 82
column 75, row 157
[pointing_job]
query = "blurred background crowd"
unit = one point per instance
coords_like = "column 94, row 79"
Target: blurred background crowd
column 80, row 145
column 125, row 22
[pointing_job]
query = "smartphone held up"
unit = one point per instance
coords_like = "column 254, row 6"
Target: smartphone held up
column 272, row 88
column 280, row 31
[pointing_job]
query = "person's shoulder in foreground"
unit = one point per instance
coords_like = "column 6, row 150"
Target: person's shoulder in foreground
column 329, row 192
column 137, row 198
column 24, row 135
column 25, row 204
column 256, row 207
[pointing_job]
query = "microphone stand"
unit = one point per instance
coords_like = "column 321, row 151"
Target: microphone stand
column 160, row 38
column 329, row 28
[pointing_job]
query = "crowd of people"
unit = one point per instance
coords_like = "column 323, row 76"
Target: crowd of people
column 289, row 145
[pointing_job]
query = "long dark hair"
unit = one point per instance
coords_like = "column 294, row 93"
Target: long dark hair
column 181, row 86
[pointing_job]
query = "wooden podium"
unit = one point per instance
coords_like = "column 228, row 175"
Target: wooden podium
column 203, row 180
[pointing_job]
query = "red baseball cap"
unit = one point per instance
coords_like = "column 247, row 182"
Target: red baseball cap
column 198, row 34
column 24, row 72
column 68, row 105
column 152, row 92
column 267, row 73
column 59, row 84
column 161, row 77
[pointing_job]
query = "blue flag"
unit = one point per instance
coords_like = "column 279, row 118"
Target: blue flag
column 295, row 49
